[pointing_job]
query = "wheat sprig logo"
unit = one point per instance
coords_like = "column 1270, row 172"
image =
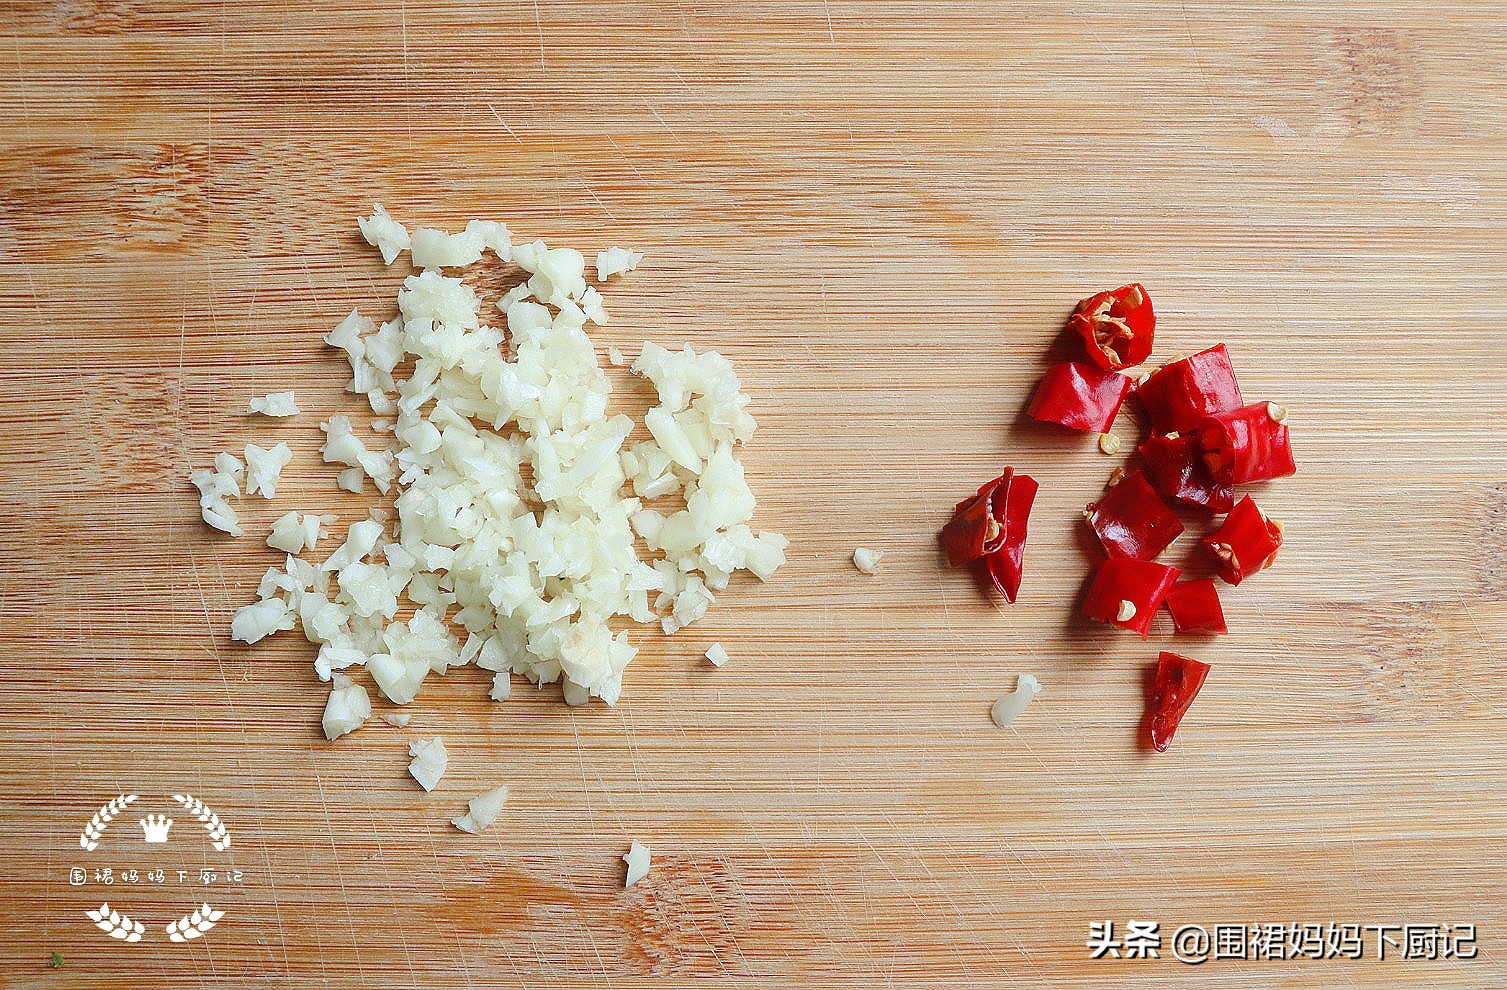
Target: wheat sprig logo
column 191, row 926
column 219, row 835
column 95, row 829
column 115, row 924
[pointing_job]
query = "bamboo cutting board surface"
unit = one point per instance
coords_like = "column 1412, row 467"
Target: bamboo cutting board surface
column 882, row 213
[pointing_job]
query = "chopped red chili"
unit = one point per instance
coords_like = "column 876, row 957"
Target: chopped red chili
column 1131, row 520
column 1176, row 683
column 976, row 523
column 1179, row 395
column 1245, row 542
column 1247, row 444
column 1195, row 607
column 1175, row 470
column 1079, row 395
column 1116, row 327
column 1126, row 592
column 988, row 530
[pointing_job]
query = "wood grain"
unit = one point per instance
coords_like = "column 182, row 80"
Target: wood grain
column 882, row 212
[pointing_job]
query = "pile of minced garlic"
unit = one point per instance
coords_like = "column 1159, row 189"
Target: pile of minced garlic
column 517, row 504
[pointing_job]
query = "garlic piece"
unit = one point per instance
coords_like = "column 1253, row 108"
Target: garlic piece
column 264, row 467
column 616, row 261
column 384, row 233
column 482, row 810
column 348, row 707
column 430, row 758
column 275, row 404
column 1009, row 707
column 637, row 859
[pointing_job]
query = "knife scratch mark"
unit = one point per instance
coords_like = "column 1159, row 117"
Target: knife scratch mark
column 631, row 167
column 376, row 835
column 504, row 124
column 345, row 895
column 663, row 123
column 592, row 193
column 538, row 26
column 407, row 86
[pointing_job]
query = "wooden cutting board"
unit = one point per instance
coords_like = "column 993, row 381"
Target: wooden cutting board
column 882, row 213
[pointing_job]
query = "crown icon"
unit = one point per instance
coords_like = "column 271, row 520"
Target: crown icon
column 155, row 827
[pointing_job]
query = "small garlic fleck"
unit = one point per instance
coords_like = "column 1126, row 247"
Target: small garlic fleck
column 1007, row 708
column 1276, row 412
column 1116, row 476
column 1126, row 612
column 867, row 560
column 1143, row 379
column 638, row 860
column 1109, row 444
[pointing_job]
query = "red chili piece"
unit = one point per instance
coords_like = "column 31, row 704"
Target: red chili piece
column 1175, row 685
column 1245, row 543
column 1176, row 471
column 1126, row 592
column 1131, row 520
column 1178, row 396
column 1195, row 607
column 1080, row 396
column 1116, row 327
column 989, row 530
column 1248, row 444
